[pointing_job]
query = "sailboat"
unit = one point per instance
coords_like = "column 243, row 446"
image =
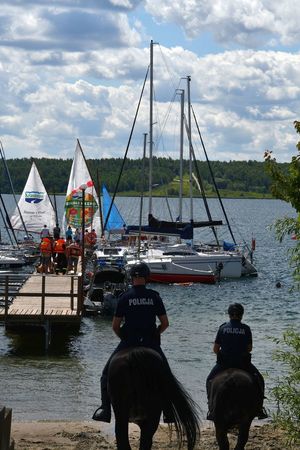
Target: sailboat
column 186, row 262
column 81, row 183
column 34, row 209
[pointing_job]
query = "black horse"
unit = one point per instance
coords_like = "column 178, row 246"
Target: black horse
column 235, row 400
column 141, row 385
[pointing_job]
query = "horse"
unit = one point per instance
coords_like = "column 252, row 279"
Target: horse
column 235, row 399
column 141, row 385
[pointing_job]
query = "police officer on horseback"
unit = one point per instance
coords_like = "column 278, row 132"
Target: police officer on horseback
column 233, row 346
column 134, row 322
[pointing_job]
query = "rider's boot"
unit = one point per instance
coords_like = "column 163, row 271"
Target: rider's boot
column 103, row 414
column 262, row 414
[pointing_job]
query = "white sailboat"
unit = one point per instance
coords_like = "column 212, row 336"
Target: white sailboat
column 81, row 181
column 186, row 263
column 34, row 208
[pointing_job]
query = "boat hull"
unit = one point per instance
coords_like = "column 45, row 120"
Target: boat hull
column 181, row 278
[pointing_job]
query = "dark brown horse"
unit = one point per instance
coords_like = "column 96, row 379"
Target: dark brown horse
column 234, row 402
column 141, row 385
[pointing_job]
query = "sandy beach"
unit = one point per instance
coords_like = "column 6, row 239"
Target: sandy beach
column 92, row 436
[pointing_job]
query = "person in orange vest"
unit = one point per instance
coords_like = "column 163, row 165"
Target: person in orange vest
column 90, row 239
column 46, row 254
column 59, row 250
column 73, row 253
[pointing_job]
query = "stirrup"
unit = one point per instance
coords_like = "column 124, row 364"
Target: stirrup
column 102, row 415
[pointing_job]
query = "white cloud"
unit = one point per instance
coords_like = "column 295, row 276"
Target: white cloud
column 246, row 22
column 76, row 70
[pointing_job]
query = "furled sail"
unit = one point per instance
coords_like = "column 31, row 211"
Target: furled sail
column 34, row 205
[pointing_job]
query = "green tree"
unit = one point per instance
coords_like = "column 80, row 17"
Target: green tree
column 286, row 186
column 287, row 392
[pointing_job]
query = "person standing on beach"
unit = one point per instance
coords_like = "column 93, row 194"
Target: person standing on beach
column 137, row 309
column 233, row 346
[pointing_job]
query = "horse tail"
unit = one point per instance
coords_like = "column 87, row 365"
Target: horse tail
column 172, row 394
column 184, row 410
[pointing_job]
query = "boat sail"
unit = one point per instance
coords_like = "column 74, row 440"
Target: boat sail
column 80, row 181
column 115, row 224
column 34, row 206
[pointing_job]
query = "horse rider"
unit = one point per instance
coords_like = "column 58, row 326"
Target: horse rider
column 233, row 346
column 137, row 309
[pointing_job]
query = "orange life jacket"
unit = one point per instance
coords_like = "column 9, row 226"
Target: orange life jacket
column 46, row 246
column 91, row 238
column 60, row 246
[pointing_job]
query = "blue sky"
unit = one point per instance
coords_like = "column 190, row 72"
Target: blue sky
column 74, row 69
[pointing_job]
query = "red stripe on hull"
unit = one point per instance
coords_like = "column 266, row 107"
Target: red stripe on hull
column 182, row 278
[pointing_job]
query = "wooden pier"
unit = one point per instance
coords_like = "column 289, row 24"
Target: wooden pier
column 44, row 301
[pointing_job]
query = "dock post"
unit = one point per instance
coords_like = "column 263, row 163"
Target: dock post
column 6, row 296
column 72, row 292
column 43, row 295
column 80, row 294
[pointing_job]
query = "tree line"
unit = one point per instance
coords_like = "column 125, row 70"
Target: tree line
column 240, row 177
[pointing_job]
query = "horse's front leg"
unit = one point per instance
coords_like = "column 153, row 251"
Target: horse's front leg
column 221, row 436
column 121, row 432
column 148, row 428
column 243, row 436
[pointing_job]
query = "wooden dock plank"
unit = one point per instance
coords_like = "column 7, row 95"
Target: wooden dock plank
column 57, row 298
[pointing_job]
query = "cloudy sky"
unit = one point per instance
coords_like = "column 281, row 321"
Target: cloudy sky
column 75, row 68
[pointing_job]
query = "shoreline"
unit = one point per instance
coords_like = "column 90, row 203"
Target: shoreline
column 76, row 435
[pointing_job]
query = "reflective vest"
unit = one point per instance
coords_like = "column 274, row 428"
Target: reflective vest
column 60, row 246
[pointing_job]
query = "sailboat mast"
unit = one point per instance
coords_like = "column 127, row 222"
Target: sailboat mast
column 142, row 196
column 151, row 127
column 11, row 185
column 181, row 153
column 190, row 146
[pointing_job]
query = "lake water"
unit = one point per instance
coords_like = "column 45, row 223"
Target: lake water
column 64, row 384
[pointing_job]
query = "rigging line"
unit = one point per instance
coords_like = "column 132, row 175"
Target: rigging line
column 6, row 227
column 11, row 184
column 164, row 122
column 201, row 185
column 8, row 220
column 126, row 152
column 213, row 178
column 167, row 67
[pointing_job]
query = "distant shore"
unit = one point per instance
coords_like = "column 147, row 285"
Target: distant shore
column 64, row 435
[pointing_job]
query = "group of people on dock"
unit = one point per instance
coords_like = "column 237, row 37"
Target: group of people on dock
column 59, row 254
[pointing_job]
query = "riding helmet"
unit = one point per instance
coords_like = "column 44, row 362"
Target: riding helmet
column 140, row 270
column 236, row 309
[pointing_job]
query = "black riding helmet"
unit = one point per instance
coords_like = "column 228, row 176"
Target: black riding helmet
column 236, row 309
column 140, row 270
